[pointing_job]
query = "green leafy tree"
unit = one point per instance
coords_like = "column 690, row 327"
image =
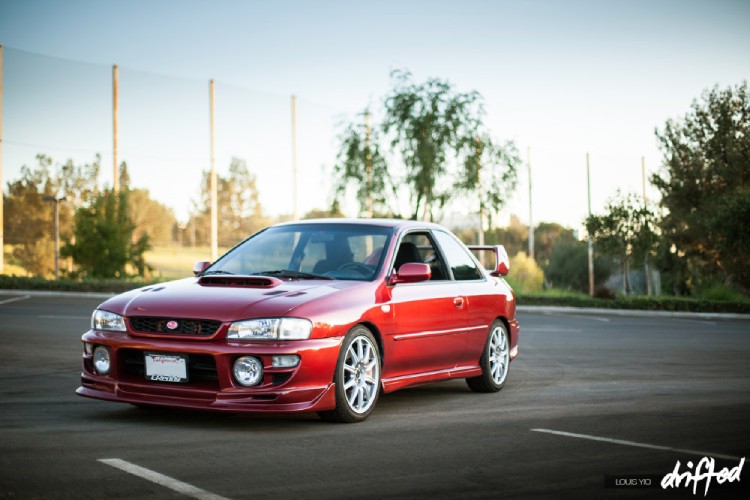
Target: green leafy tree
column 150, row 217
column 488, row 170
column 515, row 237
column 239, row 214
column 28, row 220
column 705, row 185
column 434, row 127
column 627, row 230
column 568, row 267
column 546, row 236
column 104, row 245
column 361, row 164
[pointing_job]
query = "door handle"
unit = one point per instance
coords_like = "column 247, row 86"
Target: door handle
column 458, row 302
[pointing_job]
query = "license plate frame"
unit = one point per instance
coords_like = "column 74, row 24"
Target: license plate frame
column 165, row 367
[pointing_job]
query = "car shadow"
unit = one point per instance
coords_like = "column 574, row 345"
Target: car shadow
column 418, row 398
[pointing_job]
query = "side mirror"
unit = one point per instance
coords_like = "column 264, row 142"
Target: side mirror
column 497, row 266
column 412, row 272
column 201, row 266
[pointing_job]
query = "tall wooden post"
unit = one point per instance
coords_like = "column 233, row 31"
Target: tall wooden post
column 295, row 209
column 368, row 165
column 646, row 266
column 480, row 238
column 591, row 242
column 212, row 181
column 531, row 213
column 2, row 258
column 115, row 169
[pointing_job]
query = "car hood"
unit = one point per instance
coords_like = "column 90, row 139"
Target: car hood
column 224, row 299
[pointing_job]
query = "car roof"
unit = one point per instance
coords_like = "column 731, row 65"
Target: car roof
column 399, row 224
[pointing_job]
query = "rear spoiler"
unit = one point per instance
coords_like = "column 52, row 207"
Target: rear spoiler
column 501, row 264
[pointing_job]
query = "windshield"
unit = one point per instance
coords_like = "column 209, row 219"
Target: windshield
column 309, row 251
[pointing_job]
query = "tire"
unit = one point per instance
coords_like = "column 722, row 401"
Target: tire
column 357, row 378
column 495, row 361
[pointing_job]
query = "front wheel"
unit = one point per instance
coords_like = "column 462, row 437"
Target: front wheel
column 357, row 377
column 494, row 362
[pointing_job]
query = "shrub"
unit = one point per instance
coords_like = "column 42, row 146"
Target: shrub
column 525, row 275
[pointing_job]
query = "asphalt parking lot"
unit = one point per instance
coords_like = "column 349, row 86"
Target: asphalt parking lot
column 591, row 399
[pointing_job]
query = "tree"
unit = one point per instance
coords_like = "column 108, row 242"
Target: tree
column 104, row 246
column 568, row 267
column 704, row 183
column 431, row 124
column 546, row 236
column 514, row 237
column 360, row 163
column 150, row 217
column 626, row 230
column 28, row 221
column 239, row 214
column 487, row 171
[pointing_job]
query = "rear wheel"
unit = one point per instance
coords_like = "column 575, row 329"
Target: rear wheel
column 357, row 377
column 494, row 362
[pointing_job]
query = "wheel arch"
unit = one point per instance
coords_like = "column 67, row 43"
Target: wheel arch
column 512, row 339
column 378, row 338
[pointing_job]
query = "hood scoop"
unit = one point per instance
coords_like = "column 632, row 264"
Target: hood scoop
column 240, row 281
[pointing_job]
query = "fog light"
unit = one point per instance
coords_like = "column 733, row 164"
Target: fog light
column 101, row 360
column 285, row 361
column 248, row 371
column 88, row 348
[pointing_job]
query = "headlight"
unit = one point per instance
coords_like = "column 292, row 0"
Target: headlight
column 101, row 360
column 105, row 320
column 271, row 329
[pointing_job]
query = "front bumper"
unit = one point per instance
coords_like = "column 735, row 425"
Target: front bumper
column 211, row 385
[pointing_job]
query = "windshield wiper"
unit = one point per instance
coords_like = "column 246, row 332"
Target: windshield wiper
column 288, row 273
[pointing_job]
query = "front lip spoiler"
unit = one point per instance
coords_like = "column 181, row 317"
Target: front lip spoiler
column 324, row 399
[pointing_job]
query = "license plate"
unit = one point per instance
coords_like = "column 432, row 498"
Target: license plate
column 166, row 367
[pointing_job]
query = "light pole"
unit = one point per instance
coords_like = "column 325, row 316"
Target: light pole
column 56, row 201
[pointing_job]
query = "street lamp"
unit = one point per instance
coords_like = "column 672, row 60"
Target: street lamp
column 56, row 201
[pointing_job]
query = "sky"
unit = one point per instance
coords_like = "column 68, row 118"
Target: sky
column 559, row 79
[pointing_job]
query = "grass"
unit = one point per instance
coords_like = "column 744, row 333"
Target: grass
column 9, row 266
column 174, row 262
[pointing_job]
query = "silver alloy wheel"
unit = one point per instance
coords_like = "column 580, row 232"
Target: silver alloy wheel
column 361, row 374
column 499, row 355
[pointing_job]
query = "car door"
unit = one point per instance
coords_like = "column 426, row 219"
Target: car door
column 429, row 317
column 474, row 289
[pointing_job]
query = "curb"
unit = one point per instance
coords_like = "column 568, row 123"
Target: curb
column 633, row 313
column 53, row 293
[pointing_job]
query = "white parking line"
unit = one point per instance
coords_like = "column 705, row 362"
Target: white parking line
column 161, row 479
column 50, row 316
column 7, row 301
column 639, row 445
column 582, row 316
column 550, row 329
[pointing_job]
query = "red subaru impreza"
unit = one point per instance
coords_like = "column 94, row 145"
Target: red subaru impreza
column 316, row 316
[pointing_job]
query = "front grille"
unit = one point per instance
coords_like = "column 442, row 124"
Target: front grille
column 200, row 367
column 146, row 324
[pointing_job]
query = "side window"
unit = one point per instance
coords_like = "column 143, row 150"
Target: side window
column 459, row 259
column 418, row 247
